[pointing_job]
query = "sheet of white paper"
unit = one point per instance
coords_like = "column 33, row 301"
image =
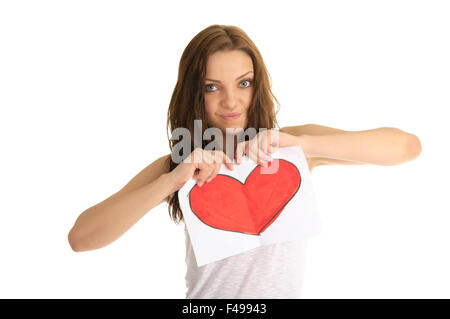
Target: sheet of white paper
column 250, row 206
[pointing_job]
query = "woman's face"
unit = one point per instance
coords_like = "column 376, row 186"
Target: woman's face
column 228, row 89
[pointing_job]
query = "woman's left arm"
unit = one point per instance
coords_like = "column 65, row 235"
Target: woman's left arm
column 380, row 146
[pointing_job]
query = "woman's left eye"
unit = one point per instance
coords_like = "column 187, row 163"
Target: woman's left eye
column 248, row 82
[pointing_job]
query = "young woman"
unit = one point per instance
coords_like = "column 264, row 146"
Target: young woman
column 223, row 82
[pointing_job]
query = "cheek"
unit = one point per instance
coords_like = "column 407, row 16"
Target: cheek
column 209, row 109
column 208, row 105
column 249, row 98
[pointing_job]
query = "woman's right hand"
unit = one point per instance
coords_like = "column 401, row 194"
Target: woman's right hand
column 202, row 165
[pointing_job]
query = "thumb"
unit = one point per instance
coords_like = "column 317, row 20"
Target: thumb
column 240, row 150
column 227, row 161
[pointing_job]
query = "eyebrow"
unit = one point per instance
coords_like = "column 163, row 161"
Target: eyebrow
column 236, row 78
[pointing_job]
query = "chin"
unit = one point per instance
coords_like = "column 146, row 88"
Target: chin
column 235, row 129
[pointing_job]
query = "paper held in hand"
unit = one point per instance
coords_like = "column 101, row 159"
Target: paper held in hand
column 250, row 206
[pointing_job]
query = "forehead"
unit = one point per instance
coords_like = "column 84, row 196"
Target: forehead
column 222, row 63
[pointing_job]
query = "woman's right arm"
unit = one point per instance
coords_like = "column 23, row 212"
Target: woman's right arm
column 105, row 222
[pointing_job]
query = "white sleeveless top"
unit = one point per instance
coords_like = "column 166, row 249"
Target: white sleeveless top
column 267, row 272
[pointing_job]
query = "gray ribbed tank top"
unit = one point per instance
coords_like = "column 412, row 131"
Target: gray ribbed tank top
column 270, row 271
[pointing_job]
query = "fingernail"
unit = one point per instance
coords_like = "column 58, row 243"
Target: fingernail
column 200, row 184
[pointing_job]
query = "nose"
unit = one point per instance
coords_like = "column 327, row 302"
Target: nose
column 229, row 101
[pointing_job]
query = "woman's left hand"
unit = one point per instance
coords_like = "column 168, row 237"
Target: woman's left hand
column 263, row 145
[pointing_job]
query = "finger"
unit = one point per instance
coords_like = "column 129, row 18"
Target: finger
column 220, row 157
column 263, row 152
column 269, row 141
column 264, row 156
column 260, row 154
column 195, row 157
column 214, row 172
column 261, row 157
column 208, row 156
column 257, row 159
column 274, row 141
column 205, row 172
column 253, row 156
column 252, row 150
column 247, row 148
column 206, row 166
column 227, row 161
column 240, row 149
column 274, row 148
column 262, row 141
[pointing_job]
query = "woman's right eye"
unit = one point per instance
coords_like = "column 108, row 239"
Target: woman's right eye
column 206, row 87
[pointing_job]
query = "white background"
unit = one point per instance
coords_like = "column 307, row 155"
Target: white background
column 84, row 91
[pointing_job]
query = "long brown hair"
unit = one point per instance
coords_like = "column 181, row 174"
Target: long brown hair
column 187, row 102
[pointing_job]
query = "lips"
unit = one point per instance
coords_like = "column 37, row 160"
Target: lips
column 231, row 116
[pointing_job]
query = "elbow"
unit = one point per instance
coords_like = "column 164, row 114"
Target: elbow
column 413, row 147
column 74, row 241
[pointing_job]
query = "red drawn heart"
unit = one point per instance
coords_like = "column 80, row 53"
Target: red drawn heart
column 250, row 207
